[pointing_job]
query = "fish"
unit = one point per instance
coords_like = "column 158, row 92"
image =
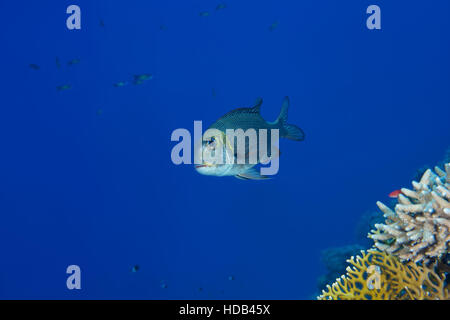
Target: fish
column 101, row 23
column 135, row 268
column 58, row 64
column 221, row 6
column 140, row 78
column 204, row 14
column 120, row 84
column 241, row 118
column 64, row 87
column 73, row 62
column 34, row 66
column 395, row 194
column 273, row 26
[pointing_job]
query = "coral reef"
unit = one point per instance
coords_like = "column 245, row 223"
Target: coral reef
column 334, row 260
column 365, row 224
column 419, row 228
column 381, row 276
column 410, row 259
column 446, row 158
column 419, row 172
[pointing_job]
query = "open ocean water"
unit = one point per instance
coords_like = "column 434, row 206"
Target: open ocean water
column 86, row 176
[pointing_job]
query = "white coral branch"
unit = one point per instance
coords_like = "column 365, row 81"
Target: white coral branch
column 419, row 227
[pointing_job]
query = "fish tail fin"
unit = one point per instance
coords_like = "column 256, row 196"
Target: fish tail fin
column 289, row 131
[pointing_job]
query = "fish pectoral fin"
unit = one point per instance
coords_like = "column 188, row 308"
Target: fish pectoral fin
column 251, row 174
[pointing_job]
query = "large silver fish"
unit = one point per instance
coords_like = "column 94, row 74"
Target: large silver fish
column 241, row 118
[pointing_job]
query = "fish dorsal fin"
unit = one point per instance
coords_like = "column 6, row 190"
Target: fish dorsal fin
column 252, row 110
column 257, row 106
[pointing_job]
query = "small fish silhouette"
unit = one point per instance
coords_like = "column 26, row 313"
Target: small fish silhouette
column 135, row 268
column 221, row 6
column 140, row 78
column 273, row 26
column 64, row 87
column 73, row 62
column 120, row 84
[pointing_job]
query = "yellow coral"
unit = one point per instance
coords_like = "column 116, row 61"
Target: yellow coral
column 380, row 276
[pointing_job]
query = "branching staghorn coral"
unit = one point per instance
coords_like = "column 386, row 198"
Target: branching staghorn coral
column 380, row 276
column 419, row 228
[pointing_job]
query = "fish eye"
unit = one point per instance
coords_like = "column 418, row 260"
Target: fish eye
column 211, row 141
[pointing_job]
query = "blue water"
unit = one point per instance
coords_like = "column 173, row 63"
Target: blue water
column 86, row 176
